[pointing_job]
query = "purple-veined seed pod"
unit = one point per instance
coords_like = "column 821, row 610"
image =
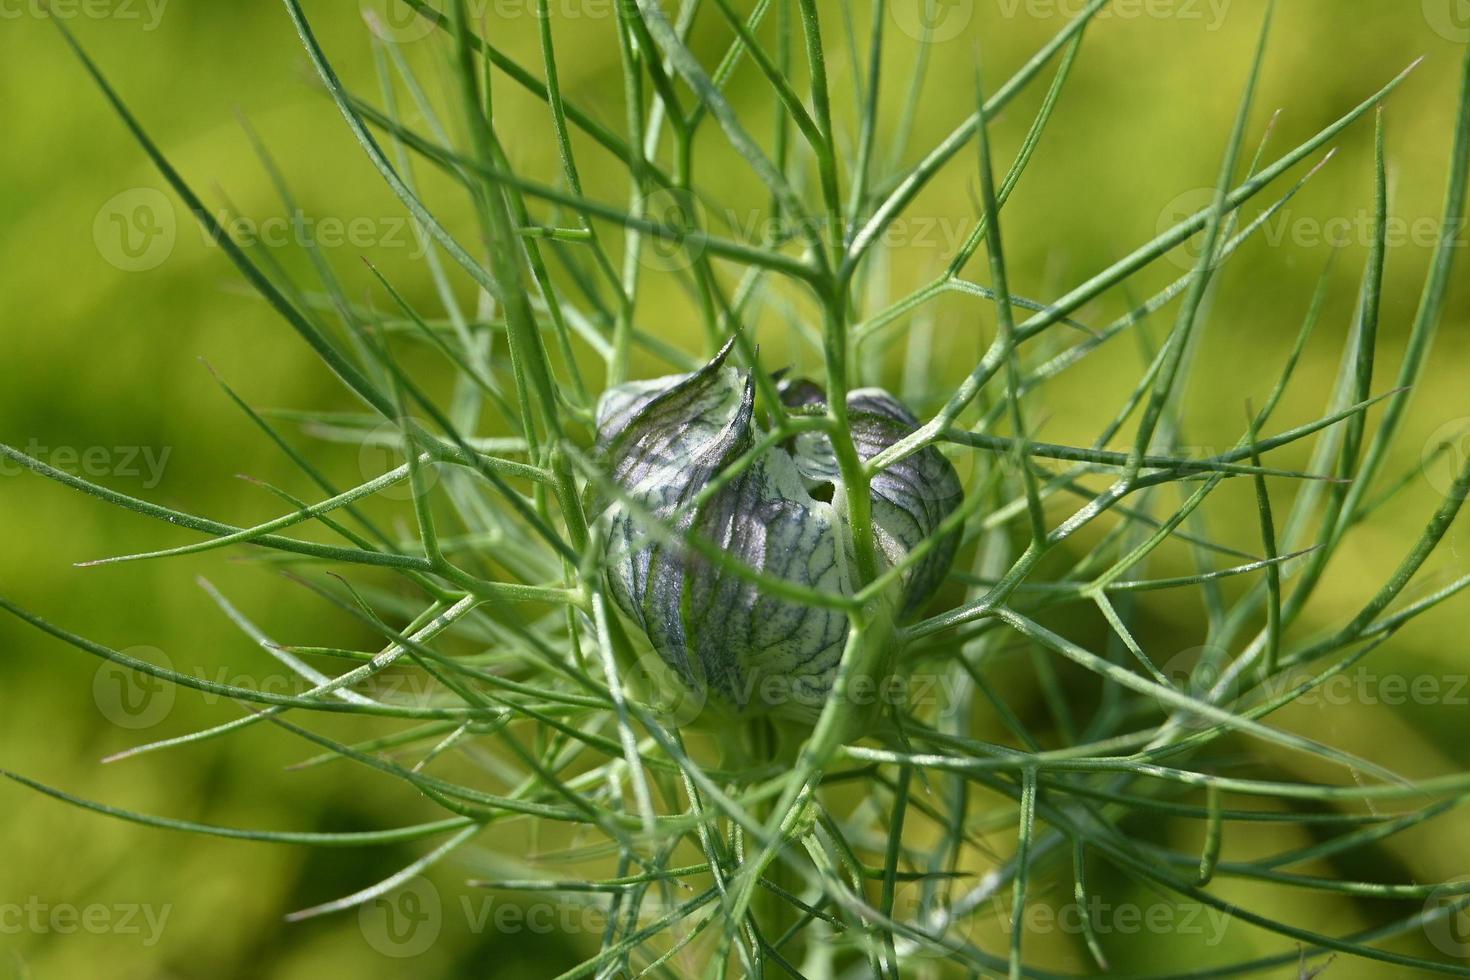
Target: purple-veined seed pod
column 665, row 441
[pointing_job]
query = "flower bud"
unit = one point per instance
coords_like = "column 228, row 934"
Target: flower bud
column 664, row 441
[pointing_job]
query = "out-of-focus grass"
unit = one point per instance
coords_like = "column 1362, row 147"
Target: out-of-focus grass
column 96, row 358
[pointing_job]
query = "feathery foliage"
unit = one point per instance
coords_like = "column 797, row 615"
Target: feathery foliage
column 840, row 840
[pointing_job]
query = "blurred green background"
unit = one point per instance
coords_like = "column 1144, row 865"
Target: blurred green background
column 101, row 345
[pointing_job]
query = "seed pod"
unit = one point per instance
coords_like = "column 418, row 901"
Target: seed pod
column 664, row 441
